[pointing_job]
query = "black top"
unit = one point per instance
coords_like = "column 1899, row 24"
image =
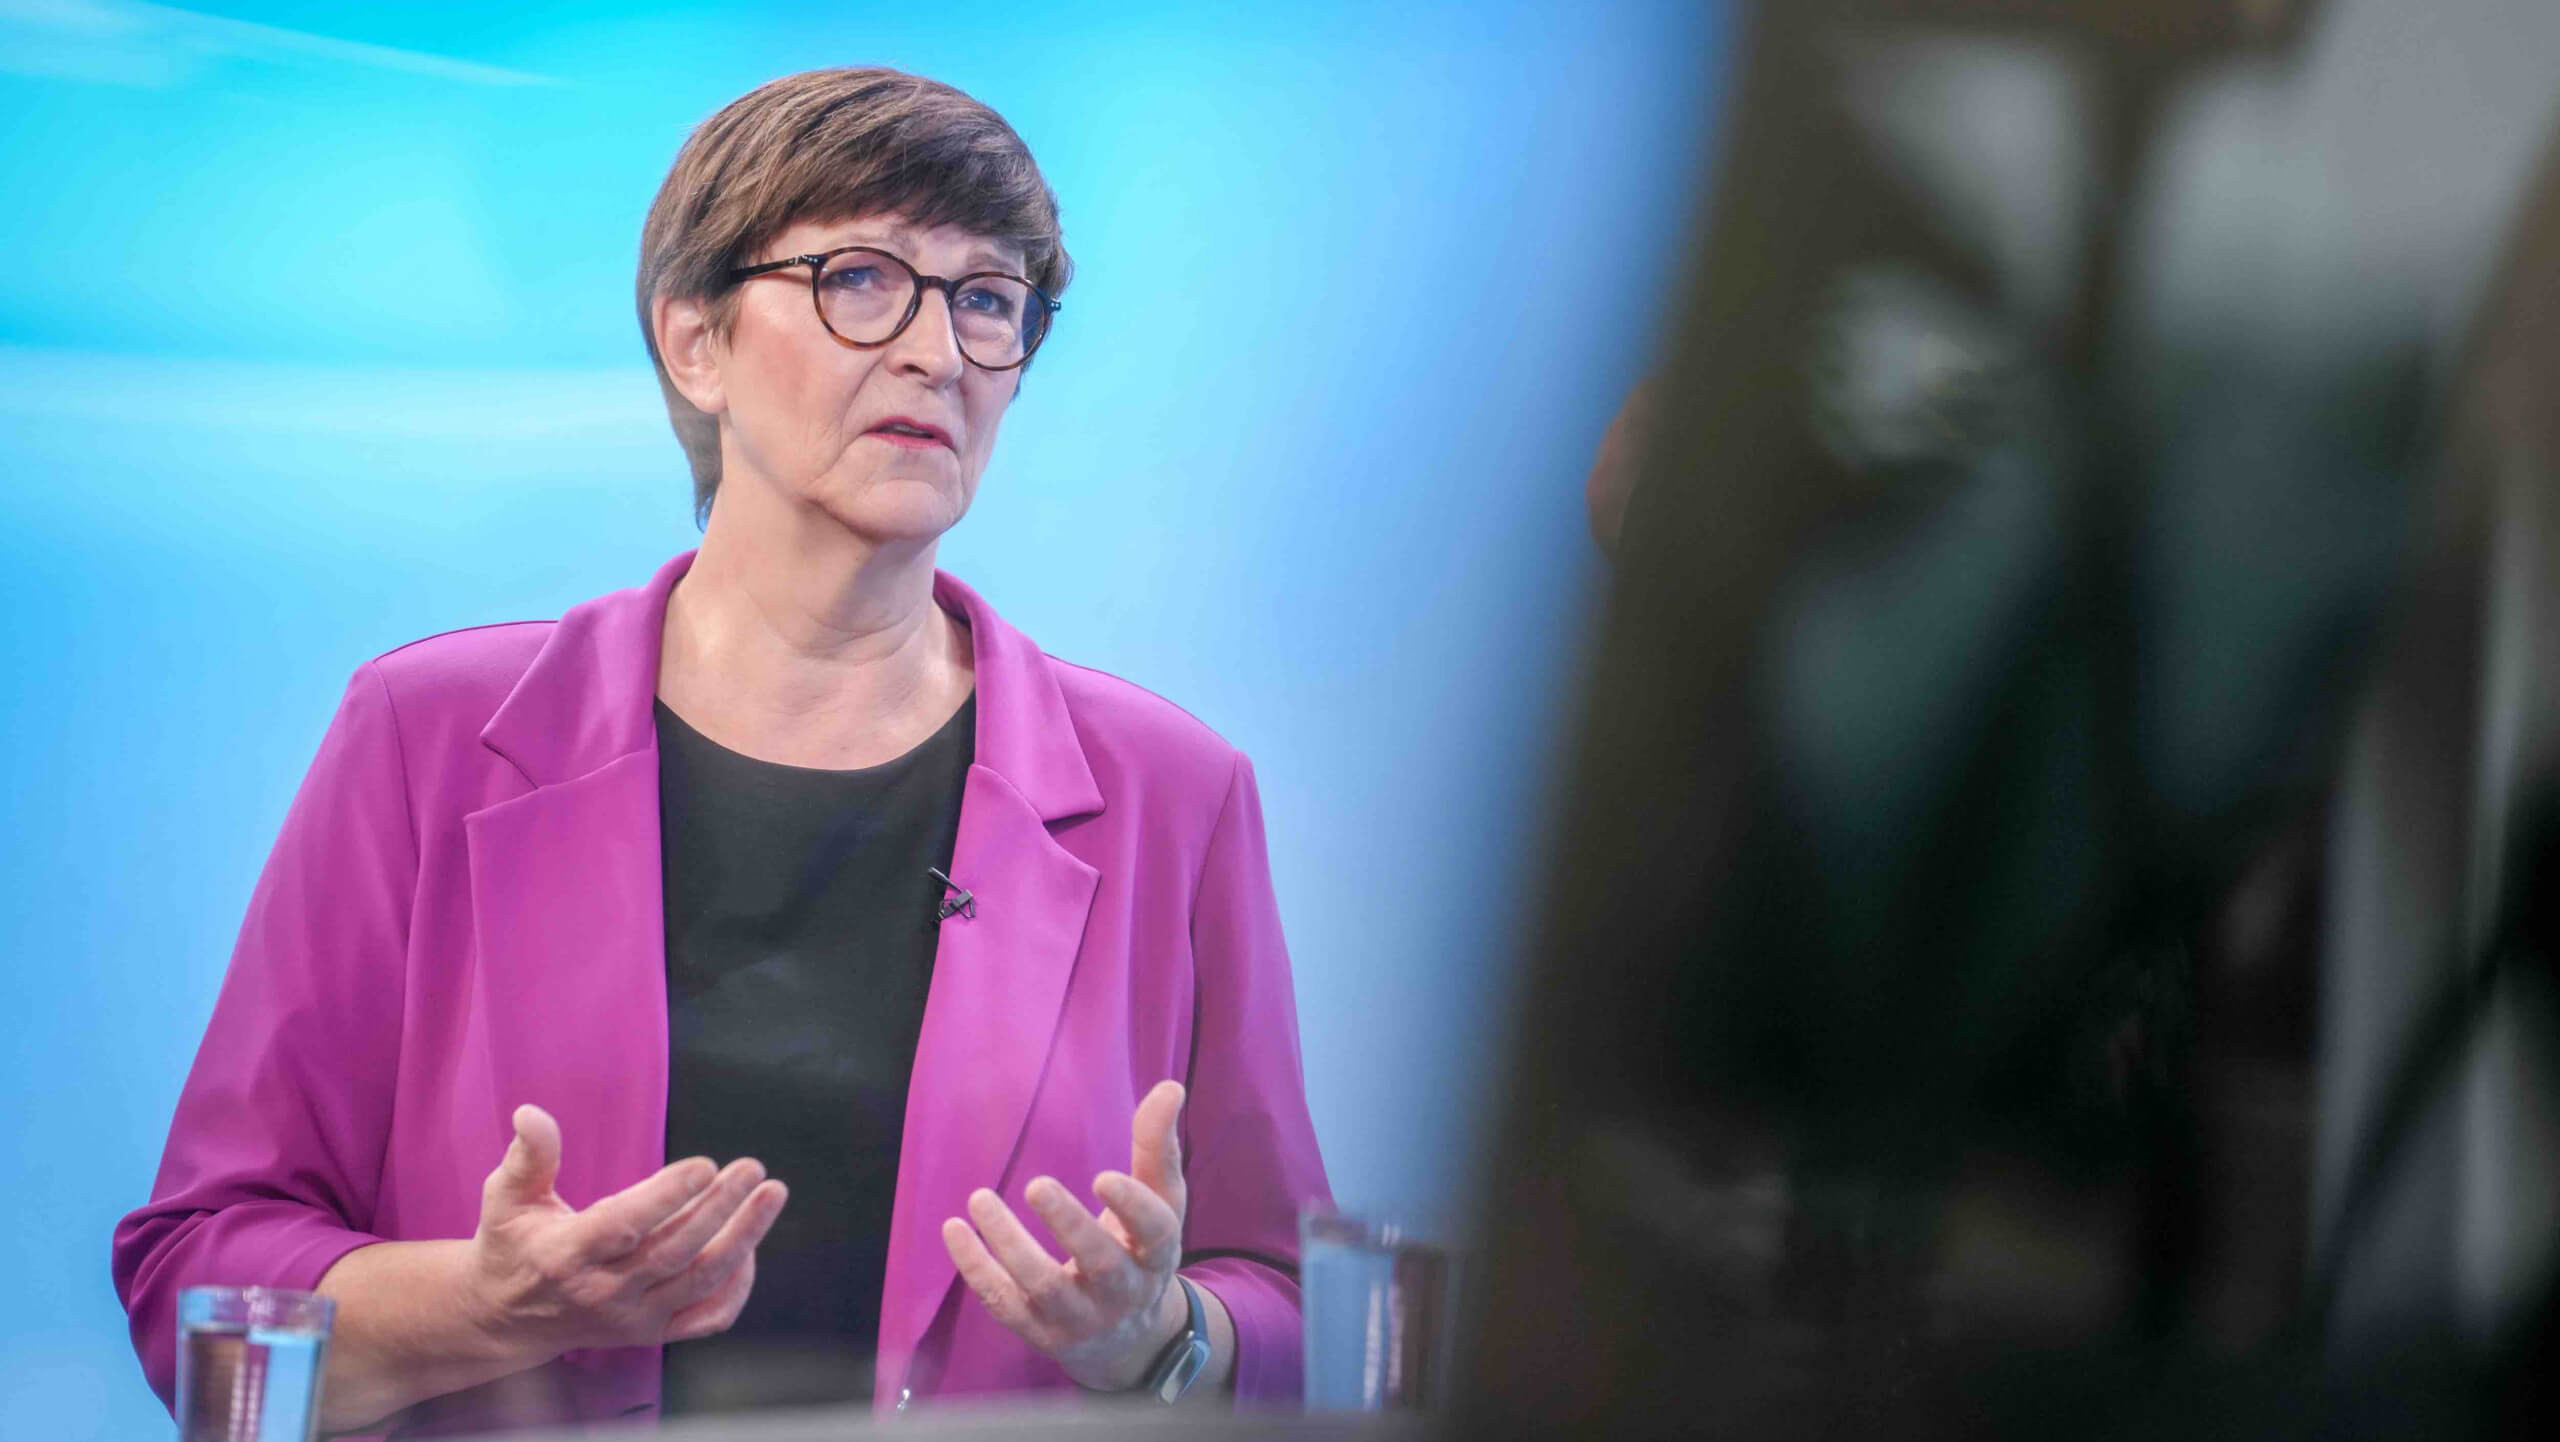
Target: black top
column 800, row 938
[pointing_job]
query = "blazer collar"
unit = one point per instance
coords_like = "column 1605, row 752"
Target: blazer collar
column 584, row 703
column 1025, row 733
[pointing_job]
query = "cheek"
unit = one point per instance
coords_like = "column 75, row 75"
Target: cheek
column 797, row 390
column 827, row 388
column 986, row 414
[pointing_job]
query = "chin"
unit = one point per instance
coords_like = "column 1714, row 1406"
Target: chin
column 888, row 511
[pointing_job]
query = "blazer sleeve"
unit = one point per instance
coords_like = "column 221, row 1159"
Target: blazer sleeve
column 276, row 1151
column 1249, row 1149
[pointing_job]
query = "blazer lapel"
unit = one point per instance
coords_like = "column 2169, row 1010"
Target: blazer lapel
column 999, row 977
column 568, row 897
column 569, row 999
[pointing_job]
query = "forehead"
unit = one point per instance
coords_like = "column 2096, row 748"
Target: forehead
column 943, row 249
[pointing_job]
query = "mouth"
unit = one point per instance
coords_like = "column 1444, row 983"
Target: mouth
column 908, row 431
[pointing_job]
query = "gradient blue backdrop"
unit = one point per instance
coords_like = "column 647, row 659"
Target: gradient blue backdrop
column 316, row 336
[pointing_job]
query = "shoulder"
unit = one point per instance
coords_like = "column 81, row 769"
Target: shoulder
column 456, row 680
column 474, row 664
column 1132, row 735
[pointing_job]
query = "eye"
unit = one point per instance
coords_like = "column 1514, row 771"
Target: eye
column 860, row 275
column 989, row 300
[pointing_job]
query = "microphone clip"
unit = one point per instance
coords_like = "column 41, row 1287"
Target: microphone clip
column 964, row 904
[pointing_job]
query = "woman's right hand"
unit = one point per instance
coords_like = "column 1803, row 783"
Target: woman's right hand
column 669, row 1258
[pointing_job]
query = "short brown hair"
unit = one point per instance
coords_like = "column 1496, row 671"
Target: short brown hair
column 830, row 145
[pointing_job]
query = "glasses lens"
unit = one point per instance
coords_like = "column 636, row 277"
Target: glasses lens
column 997, row 319
column 864, row 294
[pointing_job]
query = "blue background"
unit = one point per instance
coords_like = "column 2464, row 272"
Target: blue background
column 316, row 337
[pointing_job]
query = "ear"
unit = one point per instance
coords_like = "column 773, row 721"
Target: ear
column 691, row 352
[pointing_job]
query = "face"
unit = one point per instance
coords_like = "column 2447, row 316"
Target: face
column 833, row 427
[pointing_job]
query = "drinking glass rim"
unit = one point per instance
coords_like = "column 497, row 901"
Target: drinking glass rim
column 1379, row 1227
column 256, row 1306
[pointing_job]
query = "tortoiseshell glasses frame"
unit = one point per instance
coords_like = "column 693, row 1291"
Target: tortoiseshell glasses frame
column 976, row 290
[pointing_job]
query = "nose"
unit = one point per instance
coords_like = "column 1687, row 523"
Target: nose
column 928, row 349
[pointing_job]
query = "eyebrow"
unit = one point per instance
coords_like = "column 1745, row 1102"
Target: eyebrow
column 902, row 241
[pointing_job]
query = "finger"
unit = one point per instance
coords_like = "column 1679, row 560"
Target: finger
column 673, row 1246
column 1155, row 1145
column 1119, row 1231
column 615, row 1227
column 1020, row 1253
column 716, row 1313
column 1151, row 1227
column 996, row 1289
column 1097, row 1254
column 524, row 1176
column 735, row 1242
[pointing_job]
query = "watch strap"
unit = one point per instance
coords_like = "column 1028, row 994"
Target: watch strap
column 1185, row 1357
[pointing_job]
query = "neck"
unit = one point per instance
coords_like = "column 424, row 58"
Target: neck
column 793, row 639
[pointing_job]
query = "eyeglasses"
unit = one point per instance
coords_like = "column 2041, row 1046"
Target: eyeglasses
column 867, row 298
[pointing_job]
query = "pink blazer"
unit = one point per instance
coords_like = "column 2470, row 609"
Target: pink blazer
column 463, row 913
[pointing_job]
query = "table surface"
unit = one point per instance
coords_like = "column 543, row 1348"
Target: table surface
column 1077, row 1422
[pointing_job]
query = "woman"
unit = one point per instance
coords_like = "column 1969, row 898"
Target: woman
column 797, row 854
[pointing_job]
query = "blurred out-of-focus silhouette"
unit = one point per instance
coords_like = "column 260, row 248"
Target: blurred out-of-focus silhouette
column 2051, row 930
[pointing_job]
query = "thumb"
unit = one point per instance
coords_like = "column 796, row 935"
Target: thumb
column 532, row 1163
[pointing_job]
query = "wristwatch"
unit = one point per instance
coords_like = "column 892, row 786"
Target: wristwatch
column 1182, row 1360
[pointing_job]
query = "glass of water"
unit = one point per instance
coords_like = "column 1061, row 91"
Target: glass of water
column 249, row 1362
column 1380, row 1310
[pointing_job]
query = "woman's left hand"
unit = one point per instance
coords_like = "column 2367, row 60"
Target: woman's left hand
column 1110, row 1308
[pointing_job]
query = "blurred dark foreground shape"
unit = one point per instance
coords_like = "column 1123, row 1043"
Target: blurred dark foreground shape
column 2052, row 927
